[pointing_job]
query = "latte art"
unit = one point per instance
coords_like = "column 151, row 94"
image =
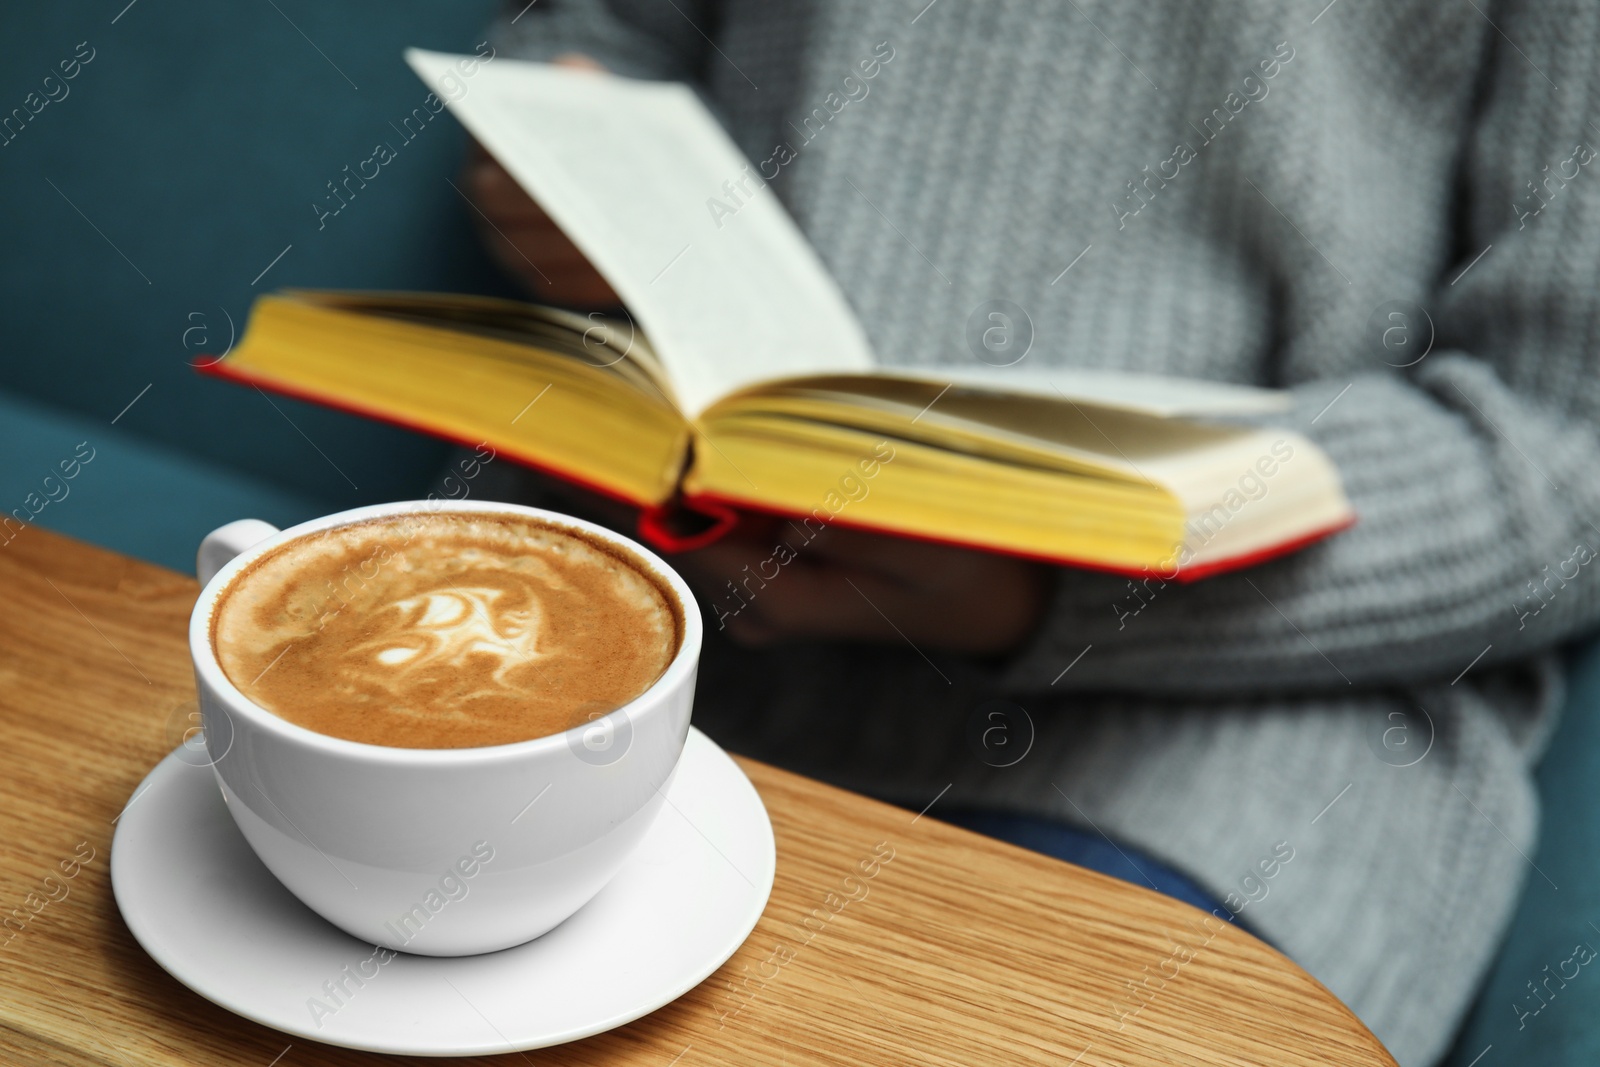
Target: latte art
column 449, row 630
column 443, row 628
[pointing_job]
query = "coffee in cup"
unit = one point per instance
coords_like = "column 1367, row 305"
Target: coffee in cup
column 445, row 630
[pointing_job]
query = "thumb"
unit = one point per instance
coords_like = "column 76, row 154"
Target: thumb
column 578, row 61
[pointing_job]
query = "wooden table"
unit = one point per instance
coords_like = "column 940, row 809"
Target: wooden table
column 963, row 950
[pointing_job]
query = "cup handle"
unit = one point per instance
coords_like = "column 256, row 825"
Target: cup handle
column 225, row 542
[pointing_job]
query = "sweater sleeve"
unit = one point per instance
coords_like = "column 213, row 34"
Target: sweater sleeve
column 1475, row 473
column 633, row 38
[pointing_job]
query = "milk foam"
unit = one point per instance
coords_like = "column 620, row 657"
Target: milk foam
column 447, row 625
column 444, row 631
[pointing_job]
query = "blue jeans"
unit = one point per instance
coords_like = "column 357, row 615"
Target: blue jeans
column 1089, row 850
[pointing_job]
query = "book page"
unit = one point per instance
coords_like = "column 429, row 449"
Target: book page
column 1145, row 394
column 626, row 168
column 1029, row 431
column 990, row 393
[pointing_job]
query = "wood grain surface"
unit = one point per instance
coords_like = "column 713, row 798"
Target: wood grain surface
column 957, row 950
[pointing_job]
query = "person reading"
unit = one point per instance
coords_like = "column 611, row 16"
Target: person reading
column 1386, row 212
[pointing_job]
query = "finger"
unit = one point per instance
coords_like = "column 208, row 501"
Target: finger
column 486, row 172
column 917, row 564
column 534, row 254
column 860, row 548
column 559, row 273
column 541, row 252
column 525, row 241
column 710, row 569
column 830, row 603
column 486, row 178
column 514, row 212
column 804, row 589
column 502, row 199
column 578, row 61
column 543, row 237
column 573, row 292
column 760, row 600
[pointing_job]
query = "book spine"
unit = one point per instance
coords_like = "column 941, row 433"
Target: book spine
column 668, row 526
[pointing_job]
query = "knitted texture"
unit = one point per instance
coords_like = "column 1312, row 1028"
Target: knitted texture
column 1242, row 190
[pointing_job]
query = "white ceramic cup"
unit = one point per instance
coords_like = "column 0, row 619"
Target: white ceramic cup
column 443, row 852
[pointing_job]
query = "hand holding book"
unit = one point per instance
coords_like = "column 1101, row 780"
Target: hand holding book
column 742, row 382
column 524, row 240
column 765, row 585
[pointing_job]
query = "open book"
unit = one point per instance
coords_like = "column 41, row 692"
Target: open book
column 744, row 381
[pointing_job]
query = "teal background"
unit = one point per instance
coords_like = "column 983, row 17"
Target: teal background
column 1554, row 916
column 196, row 140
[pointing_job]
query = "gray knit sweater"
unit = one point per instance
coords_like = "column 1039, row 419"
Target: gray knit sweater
column 1241, row 188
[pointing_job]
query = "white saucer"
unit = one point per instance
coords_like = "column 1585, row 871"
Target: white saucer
column 201, row 903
